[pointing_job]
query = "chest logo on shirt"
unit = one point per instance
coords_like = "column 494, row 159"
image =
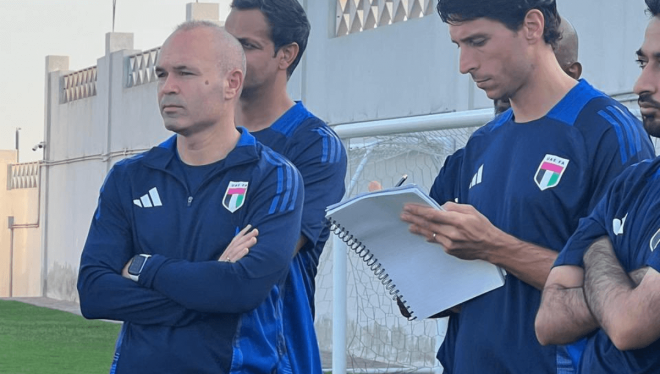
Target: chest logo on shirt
column 617, row 225
column 477, row 177
column 149, row 200
column 655, row 240
column 550, row 171
column 235, row 196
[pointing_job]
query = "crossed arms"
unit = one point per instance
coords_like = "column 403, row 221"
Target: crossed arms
column 175, row 292
column 576, row 302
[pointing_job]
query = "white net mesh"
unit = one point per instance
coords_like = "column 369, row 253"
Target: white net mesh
column 379, row 339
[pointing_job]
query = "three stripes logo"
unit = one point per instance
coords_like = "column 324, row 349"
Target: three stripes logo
column 150, row 200
column 477, row 177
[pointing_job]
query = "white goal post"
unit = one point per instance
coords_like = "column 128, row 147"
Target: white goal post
column 382, row 341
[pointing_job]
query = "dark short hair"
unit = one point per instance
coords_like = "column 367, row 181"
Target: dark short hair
column 287, row 20
column 511, row 13
column 654, row 7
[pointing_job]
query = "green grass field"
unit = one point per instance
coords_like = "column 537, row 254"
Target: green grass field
column 45, row 341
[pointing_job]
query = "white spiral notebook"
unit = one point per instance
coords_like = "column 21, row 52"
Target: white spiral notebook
column 421, row 274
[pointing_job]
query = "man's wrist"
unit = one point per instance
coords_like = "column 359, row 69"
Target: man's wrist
column 137, row 265
column 501, row 247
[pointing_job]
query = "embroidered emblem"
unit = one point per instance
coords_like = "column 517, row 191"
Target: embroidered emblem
column 235, row 196
column 617, row 225
column 655, row 240
column 550, row 171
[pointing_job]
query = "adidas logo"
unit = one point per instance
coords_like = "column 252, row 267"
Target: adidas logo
column 149, row 200
column 477, row 177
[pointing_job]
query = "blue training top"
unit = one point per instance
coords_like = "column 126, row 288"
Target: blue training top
column 628, row 216
column 189, row 312
column 320, row 157
column 534, row 181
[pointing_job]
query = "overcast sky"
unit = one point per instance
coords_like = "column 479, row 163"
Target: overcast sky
column 32, row 29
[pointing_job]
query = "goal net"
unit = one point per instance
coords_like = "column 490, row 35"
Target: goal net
column 379, row 339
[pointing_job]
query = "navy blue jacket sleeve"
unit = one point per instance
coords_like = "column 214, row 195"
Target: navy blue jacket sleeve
column 104, row 293
column 321, row 159
column 445, row 187
column 275, row 209
column 589, row 229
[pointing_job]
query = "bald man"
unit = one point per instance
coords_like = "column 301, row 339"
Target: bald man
column 566, row 53
column 166, row 217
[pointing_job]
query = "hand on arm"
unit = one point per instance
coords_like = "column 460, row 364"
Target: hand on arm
column 467, row 234
column 240, row 246
column 564, row 316
column 246, row 239
column 626, row 311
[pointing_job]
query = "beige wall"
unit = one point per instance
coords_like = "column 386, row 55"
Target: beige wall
column 23, row 205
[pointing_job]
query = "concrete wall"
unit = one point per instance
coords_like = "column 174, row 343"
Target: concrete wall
column 411, row 68
column 20, row 244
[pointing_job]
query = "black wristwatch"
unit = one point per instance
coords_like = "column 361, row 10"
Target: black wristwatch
column 136, row 266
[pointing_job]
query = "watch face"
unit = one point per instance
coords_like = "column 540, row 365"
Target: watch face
column 136, row 265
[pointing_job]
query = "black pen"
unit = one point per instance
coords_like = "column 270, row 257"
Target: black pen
column 403, row 179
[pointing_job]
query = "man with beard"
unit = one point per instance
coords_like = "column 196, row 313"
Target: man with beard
column 606, row 282
column 523, row 181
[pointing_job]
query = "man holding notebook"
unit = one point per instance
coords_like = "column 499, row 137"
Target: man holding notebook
column 523, row 181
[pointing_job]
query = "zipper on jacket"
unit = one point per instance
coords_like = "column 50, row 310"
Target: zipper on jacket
column 190, row 199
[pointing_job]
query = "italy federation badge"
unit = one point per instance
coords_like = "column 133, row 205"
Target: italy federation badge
column 550, row 171
column 235, row 196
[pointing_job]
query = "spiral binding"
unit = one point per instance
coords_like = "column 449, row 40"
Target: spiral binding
column 372, row 262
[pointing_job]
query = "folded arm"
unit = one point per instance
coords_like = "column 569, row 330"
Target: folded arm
column 626, row 311
column 237, row 287
column 104, row 293
column 564, row 316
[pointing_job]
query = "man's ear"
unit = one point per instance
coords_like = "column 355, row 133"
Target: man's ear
column 533, row 26
column 233, row 84
column 287, row 55
column 575, row 70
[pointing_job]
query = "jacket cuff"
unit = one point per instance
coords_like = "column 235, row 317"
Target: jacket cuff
column 148, row 274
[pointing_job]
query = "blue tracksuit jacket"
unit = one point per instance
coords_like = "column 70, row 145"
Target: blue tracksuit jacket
column 190, row 313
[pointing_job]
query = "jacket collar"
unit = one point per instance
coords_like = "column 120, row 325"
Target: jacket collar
column 247, row 150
